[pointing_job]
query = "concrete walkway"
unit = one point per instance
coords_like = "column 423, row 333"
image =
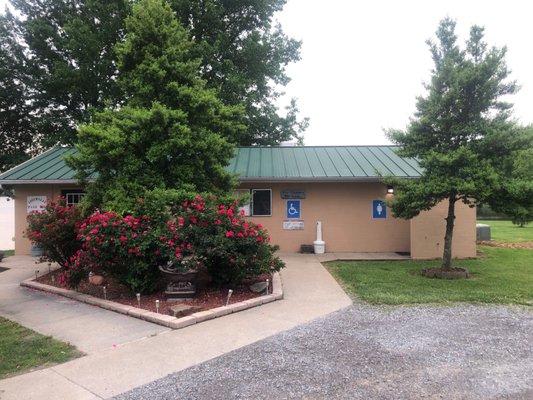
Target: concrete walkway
column 89, row 328
column 348, row 256
column 310, row 292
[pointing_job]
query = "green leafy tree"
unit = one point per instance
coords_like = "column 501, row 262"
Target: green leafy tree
column 71, row 69
column 171, row 132
column 244, row 54
column 69, row 51
column 514, row 197
column 16, row 122
column 461, row 134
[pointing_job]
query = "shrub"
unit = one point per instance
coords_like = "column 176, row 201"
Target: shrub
column 55, row 230
column 128, row 248
column 131, row 248
column 231, row 248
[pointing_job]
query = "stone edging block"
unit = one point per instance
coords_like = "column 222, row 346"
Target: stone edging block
column 163, row 319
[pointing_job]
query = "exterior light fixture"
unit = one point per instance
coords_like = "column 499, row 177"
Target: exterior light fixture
column 390, row 189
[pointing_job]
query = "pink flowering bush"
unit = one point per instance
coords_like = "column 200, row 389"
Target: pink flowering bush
column 55, row 230
column 171, row 228
column 231, row 247
column 128, row 248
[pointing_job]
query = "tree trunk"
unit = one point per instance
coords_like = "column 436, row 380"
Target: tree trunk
column 450, row 219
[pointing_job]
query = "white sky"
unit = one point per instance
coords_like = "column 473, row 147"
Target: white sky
column 363, row 63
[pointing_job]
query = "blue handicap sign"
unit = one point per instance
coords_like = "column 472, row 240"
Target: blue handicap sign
column 379, row 209
column 293, row 208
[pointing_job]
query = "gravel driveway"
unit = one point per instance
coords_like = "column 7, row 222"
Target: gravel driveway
column 365, row 352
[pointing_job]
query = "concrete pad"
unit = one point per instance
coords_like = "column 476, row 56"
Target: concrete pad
column 349, row 256
column 309, row 292
column 43, row 384
column 13, row 294
column 103, row 330
column 43, row 308
column 87, row 327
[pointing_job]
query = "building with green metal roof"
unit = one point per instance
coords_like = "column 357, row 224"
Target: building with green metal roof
column 291, row 190
column 297, row 163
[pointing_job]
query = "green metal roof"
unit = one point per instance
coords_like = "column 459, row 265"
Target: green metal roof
column 321, row 163
column 305, row 163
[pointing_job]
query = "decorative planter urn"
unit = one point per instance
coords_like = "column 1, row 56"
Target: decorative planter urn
column 36, row 251
column 180, row 284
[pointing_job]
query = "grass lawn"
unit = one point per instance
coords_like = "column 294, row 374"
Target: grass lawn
column 505, row 231
column 22, row 349
column 500, row 275
column 8, row 253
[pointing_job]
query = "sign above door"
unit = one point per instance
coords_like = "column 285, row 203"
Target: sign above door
column 292, row 194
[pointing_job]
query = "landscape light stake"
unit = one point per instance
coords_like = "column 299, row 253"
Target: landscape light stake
column 138, row 300
column 105, row 292
column 230, row 292
column 267, row 286
column 36, row 273
column 157, row 306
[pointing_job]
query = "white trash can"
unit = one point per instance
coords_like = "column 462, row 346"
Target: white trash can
column 320, row 246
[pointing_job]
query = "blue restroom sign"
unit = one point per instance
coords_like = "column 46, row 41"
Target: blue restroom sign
column 379, row 209
column 293, row 209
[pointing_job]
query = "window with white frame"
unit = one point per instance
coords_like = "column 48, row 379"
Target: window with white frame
column 261, row 202
column 73, row 196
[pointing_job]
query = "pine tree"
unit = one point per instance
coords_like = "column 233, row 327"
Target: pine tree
column 171, row 132
column 461, row 133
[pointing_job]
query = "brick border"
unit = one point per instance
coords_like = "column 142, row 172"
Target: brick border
column 163, row 319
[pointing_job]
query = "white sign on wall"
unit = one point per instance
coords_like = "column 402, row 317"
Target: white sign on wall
column 35, row 203
column 293, row 225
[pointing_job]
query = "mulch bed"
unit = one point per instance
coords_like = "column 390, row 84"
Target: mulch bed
column 206, row 298
column 507, row 245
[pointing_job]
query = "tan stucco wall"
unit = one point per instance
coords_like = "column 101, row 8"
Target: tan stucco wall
column 22, row 244
column 427, row 232
column 345, row 210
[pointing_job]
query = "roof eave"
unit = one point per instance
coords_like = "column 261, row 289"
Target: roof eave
column 241, row 179
column 320, row 179
column 36, row 181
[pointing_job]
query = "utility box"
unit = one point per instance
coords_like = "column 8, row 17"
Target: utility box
column 482, row 232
